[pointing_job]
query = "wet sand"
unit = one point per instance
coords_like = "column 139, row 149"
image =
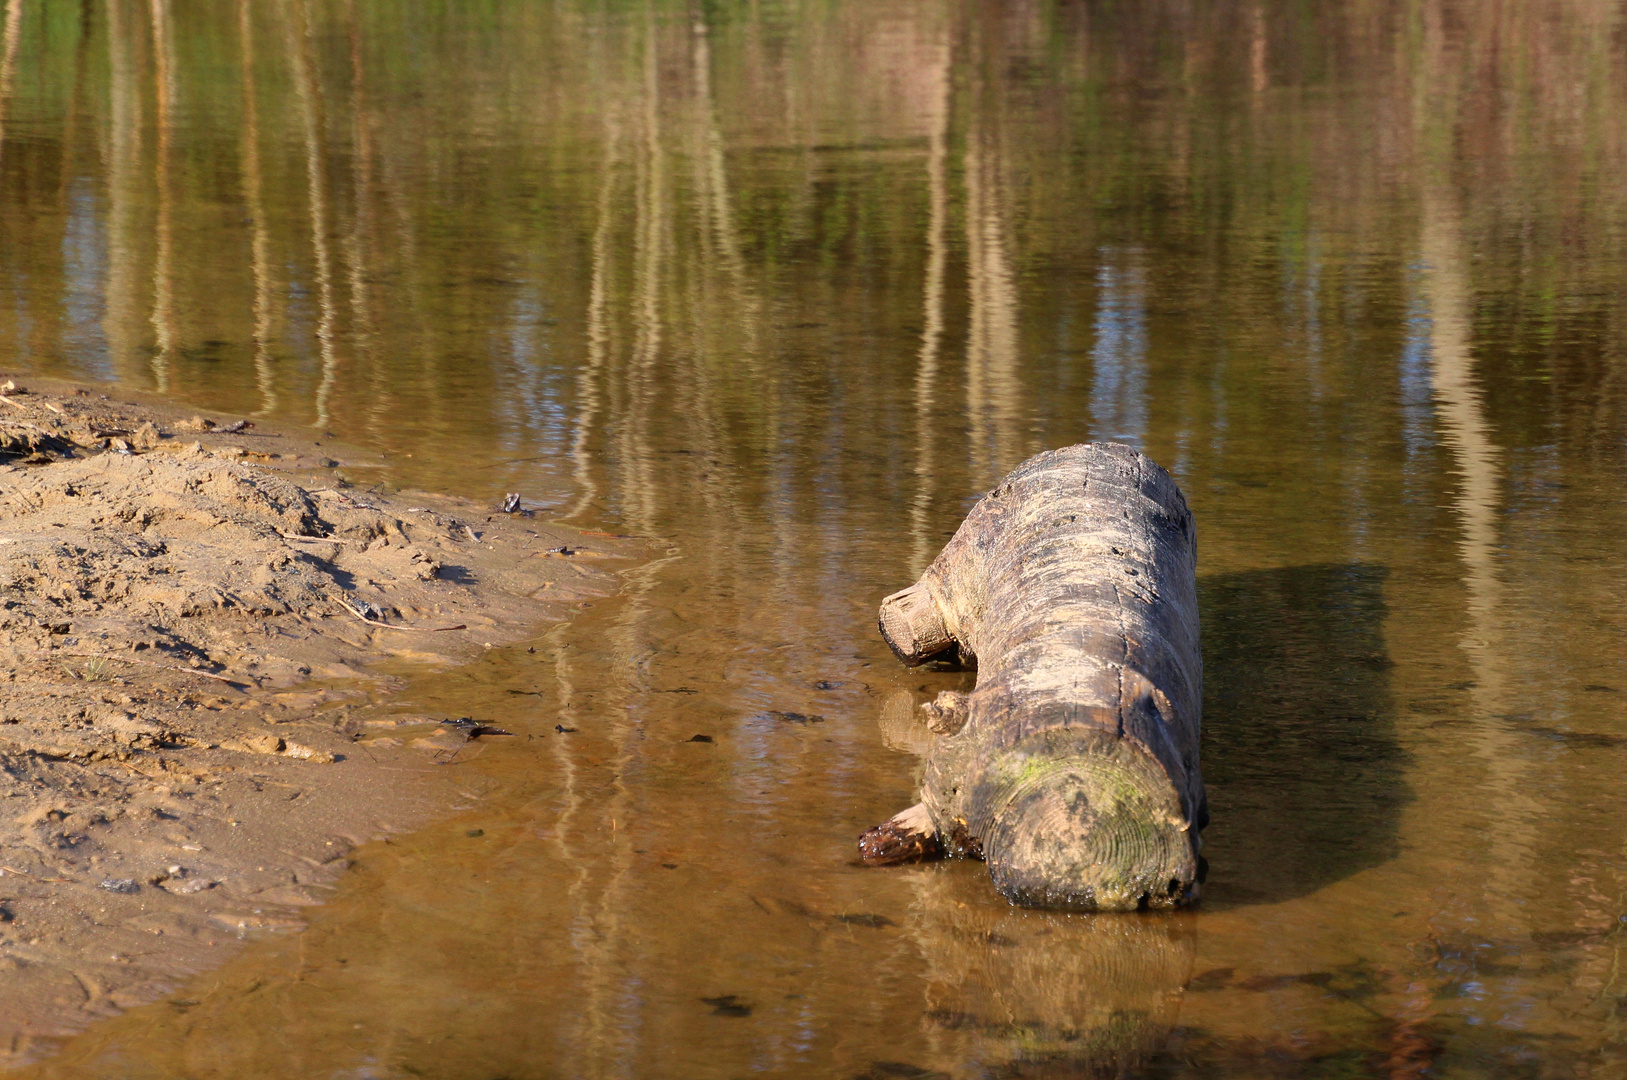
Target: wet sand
column 207, row 635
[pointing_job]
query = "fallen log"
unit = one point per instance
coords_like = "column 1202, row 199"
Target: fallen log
column 1072, row 768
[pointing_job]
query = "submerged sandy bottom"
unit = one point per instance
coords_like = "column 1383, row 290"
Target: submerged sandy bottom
column 203, row 635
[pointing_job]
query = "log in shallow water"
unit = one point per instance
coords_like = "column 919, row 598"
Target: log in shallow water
column 1072, row 768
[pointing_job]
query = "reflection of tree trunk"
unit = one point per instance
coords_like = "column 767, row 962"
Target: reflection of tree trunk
column 588, row 378
column 1513, row 814
column 1259, row 75
column 393, row 190
column 743, row 309
column 716, row 180
column 358, row 247
column 298, row 30
column 8, row 60
column 926, row 370
column 163, row 317
column 261, row 239
column 76, row 107
column 1477, row 458
column 1478, row 462
column 123, row 171
column 991, row 347
column 1118, row 392
column 604, row 909
column 649, row 250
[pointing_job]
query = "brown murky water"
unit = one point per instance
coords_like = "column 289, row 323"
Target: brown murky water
column 785, row 285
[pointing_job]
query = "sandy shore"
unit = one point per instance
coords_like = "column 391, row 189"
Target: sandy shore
column 203, row 631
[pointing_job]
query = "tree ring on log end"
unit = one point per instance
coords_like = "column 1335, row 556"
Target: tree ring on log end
column 1083, row 820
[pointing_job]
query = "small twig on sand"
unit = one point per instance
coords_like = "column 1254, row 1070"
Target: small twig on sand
column 391, row 626
column 31, row 877
column 315, row 539
column 9, row 400
column 148, row 663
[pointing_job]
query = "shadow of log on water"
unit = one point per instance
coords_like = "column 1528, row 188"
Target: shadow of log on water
column 1305, row 776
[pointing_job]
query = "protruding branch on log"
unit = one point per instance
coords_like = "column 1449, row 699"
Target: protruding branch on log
column 947, row 714
column 908, row 836
column 912, row 625
column 1073, row 766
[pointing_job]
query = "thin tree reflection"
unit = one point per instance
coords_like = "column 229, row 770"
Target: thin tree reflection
column 992, row 394
column 254, row 202
column 590, row 376
column 922, row 548
column 122, row 320
column 10, row 39
column 163, row 314
column 1118, row 396
column 297, row 33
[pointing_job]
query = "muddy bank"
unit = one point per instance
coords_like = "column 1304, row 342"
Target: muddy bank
column 206, row 636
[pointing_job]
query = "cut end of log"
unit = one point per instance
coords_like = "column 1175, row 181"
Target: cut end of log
column 913, row 627
column 1087, row 822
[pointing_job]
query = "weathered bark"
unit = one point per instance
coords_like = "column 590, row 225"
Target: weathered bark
column 1072, row 768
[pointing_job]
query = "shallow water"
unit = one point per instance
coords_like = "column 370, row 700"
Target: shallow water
column 783, row 287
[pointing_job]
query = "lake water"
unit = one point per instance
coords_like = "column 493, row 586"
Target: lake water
column 784, row 285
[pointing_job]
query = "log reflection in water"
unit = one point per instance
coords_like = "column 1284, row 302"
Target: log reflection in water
column 1079, row 995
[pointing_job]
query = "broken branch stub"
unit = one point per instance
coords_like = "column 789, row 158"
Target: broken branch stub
column 1075, row 773
column 913, row 627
